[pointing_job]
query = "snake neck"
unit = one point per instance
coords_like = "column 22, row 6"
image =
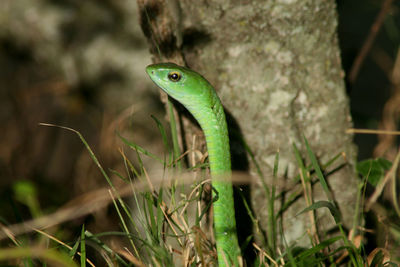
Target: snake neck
column 212, row 121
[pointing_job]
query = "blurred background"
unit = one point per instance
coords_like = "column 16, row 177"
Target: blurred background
column 372, row 27
column 81, row 64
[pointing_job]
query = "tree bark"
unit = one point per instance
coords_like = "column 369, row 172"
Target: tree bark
column 276, row 67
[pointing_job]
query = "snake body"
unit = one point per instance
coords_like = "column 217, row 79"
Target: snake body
column 198, row 96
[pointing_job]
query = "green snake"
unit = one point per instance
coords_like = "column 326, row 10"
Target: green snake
column 198, row 96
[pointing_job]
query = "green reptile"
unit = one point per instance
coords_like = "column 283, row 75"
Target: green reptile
column 194, row 92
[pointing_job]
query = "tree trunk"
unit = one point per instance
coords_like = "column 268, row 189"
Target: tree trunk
column 276, row 67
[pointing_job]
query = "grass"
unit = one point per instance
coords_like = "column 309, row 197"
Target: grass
column 165, row 219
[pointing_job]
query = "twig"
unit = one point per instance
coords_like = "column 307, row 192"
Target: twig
column 371, row 131
column 369, row 41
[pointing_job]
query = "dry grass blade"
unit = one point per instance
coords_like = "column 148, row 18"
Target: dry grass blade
column 260, row 250
column 99, row 199
column 130, row 257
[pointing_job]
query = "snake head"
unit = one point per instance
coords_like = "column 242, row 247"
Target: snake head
column 184, row 85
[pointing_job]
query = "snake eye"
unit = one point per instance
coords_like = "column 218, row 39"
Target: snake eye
column 174, row 76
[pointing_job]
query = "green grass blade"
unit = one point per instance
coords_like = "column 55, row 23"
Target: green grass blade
column 139, row 149
column 174, row 134
column 324, row 204
column 83, row 247
column 106, row 248
column 271, row 227
column 160, row 214
column 124, row 225
column 74, row 249
column 152, row 222
column 318, row 171
column 162, row 132
column 300, row 162
column 94, row 158
column 313, row 251
column 116, row 173
column 91, row 153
